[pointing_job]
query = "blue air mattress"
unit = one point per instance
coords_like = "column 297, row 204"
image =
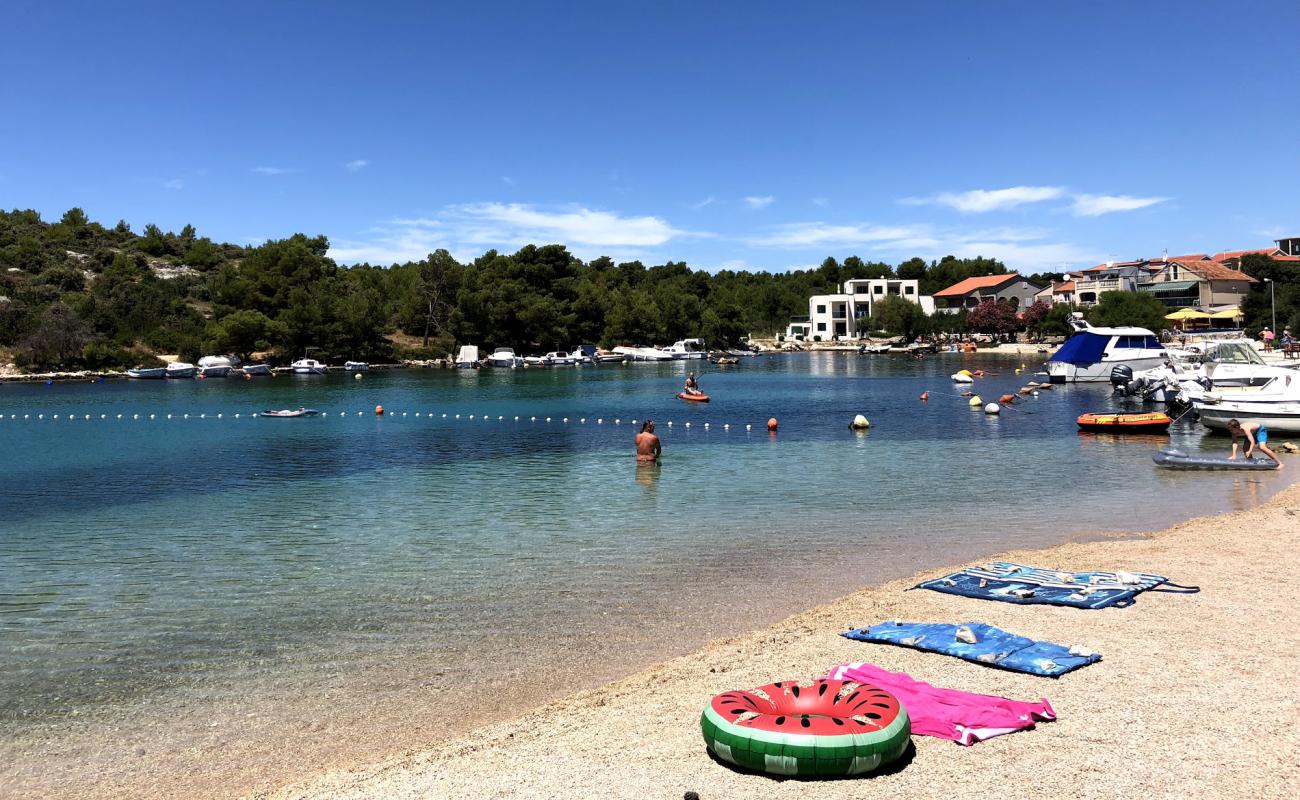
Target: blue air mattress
column 1017, row 583
column 992, row 646
column 1177, row 459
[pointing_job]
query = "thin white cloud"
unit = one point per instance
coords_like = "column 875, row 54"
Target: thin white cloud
column 507, row 180
column 1094, row 205
column 979, row 201
column 1024, row 249
column 708, row 201
column 821, row 201
column 175, row 184
column 470, row 229
column 357, row 165
column 762, row 201
column 269, row 170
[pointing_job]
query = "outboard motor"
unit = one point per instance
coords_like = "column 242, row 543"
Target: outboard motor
column 1120, row 375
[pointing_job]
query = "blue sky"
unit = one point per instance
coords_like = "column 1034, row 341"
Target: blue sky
column 746, row 135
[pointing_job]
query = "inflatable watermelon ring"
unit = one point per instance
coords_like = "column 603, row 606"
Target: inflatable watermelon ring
column 831, row 728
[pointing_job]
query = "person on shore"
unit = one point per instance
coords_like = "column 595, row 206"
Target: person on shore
column 1267, row 336
column 692, row 385
column 1256, row 435
column 647, row 444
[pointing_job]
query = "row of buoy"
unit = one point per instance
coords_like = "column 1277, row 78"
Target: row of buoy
column 379, row 410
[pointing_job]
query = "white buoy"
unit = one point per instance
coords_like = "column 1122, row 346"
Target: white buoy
column 417, row 413
column 670, row 423
column 169, row 416
column 203, row 416
column 458, row 416
column 548, row 419
column 600, row 421
column 749, row 427
column 357, row 376
column 471, row 416
column 103, row 416
column 992, row 408
column 40, row 416
column 403, row 413
column 726, row 426
column 566, row 419
column 688, row 424
column 499, row 418
column 583, row 420
column 706, row 424
column 187, row 416
column 532, row 419
column 616, row 420
column 633, row 422
column 516, row 418
column 237, row 415
column 135, row 416
column 87, row 416
column 56, row 416
column 860, row 423
column 1035, row 393
column 151, row 416
column 119, row 416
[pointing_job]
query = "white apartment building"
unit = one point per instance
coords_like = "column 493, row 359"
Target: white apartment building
column 845, row 315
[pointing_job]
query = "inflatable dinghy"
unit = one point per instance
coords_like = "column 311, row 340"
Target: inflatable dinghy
column 1177, row 459
column 1156, row 422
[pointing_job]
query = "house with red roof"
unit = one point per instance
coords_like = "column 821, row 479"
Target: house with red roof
column 973, row 291
column 1198, row 283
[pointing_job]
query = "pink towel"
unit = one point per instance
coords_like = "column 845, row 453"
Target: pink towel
column 962, row 717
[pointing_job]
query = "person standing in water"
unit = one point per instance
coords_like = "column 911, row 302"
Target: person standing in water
column 1256, row 435
column 647, row 444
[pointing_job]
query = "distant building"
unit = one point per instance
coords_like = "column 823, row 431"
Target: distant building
column 1289, row 247
column 844, row 315
column 1204, row 283
column 1061, row 291
column 1122, row 276
column 973, row 291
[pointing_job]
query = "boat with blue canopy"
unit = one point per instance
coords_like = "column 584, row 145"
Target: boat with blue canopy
column 1091, row 354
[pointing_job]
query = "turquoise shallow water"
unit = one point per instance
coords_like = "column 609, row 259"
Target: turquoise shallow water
column 139, row 555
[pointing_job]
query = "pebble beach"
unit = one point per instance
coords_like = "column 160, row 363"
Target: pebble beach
column 1192, row 697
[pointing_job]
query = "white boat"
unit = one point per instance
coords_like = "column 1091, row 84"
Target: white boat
column 689, row 349
column 356, row 366
column 606, row 357
column 1091, row 353
column 536, row 361
column 561, row 358
column 216, row 366
column 643, row 353
column 504, row 358
column 467, row 357
column 256, row 369
column 309, row 366
column 180, row 369
column 147, row 373
column 1275, row 405
column 1189, row 373
column 875, row 349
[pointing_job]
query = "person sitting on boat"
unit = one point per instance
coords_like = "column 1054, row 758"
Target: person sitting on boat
column 1256, row 435
column 692, row 385
column 647, row 444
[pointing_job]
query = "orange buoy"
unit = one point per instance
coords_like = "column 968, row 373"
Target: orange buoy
column 925, row 395
column 979, row 373
column 771, row 424
column 379, row 411
column 1007, row 398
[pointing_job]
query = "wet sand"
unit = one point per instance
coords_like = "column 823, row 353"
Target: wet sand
column 1196, row 695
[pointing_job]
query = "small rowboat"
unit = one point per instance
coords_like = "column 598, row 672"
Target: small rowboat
column 287, row 413
column 694, row 398
column 1155, row 422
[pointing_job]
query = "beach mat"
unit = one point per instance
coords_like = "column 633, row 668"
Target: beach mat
column 962, row 717
column 992, row 647
column 1017, row 583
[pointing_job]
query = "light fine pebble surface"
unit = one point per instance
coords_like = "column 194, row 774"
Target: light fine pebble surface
column 1196, row 695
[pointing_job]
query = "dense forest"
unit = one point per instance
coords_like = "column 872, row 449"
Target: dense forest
column 75, row 293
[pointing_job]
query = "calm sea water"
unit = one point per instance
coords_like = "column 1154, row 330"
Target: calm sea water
column 142, row 555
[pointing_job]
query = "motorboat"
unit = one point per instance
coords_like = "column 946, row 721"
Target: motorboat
column 561, row 358
column 875, row 349
column 642, row 353
column 1090, row 354
column 606, row 357
column 536, row 361
column 291, row 413
column 180, row 369
column 356, row 366
column 309, row 366
column 689, row 349
column 216, row 366
column 1275, row 405
column 1188, row 373
column 256, row 369
column 147, row 373
column 504, row 357
column 467, row 357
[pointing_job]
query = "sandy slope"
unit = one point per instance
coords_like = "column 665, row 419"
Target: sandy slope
column 1196, row 695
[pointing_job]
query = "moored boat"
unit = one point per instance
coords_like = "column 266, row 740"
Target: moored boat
column 356, row 366
column 504, row 358
column 256, row 369
column 147, row 373
column 687, row 349
column 1155, row 422
column 309, row 366
column 216, row 366
column 290, row 413
column 1090, row 354
column 560, row 358
column 467, row 357
column 180, row 369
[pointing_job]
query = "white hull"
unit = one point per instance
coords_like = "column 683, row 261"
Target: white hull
column 148, row 373
column 257, row 369
column 181, row 370
column 214, row 372
column 1277, row 417
column 1062, row 372
column 309, row 366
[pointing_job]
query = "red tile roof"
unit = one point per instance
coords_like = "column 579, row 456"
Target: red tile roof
column 1239, row 253
column 962, row 288
column 1114, row 265
column 1214, row 271
column 1068, row 286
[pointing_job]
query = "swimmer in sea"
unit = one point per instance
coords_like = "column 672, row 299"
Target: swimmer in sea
column 647, row 444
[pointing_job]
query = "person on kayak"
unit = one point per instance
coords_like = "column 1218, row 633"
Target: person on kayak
column 647, row 444
column 692, row 385
column 1256, row 435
